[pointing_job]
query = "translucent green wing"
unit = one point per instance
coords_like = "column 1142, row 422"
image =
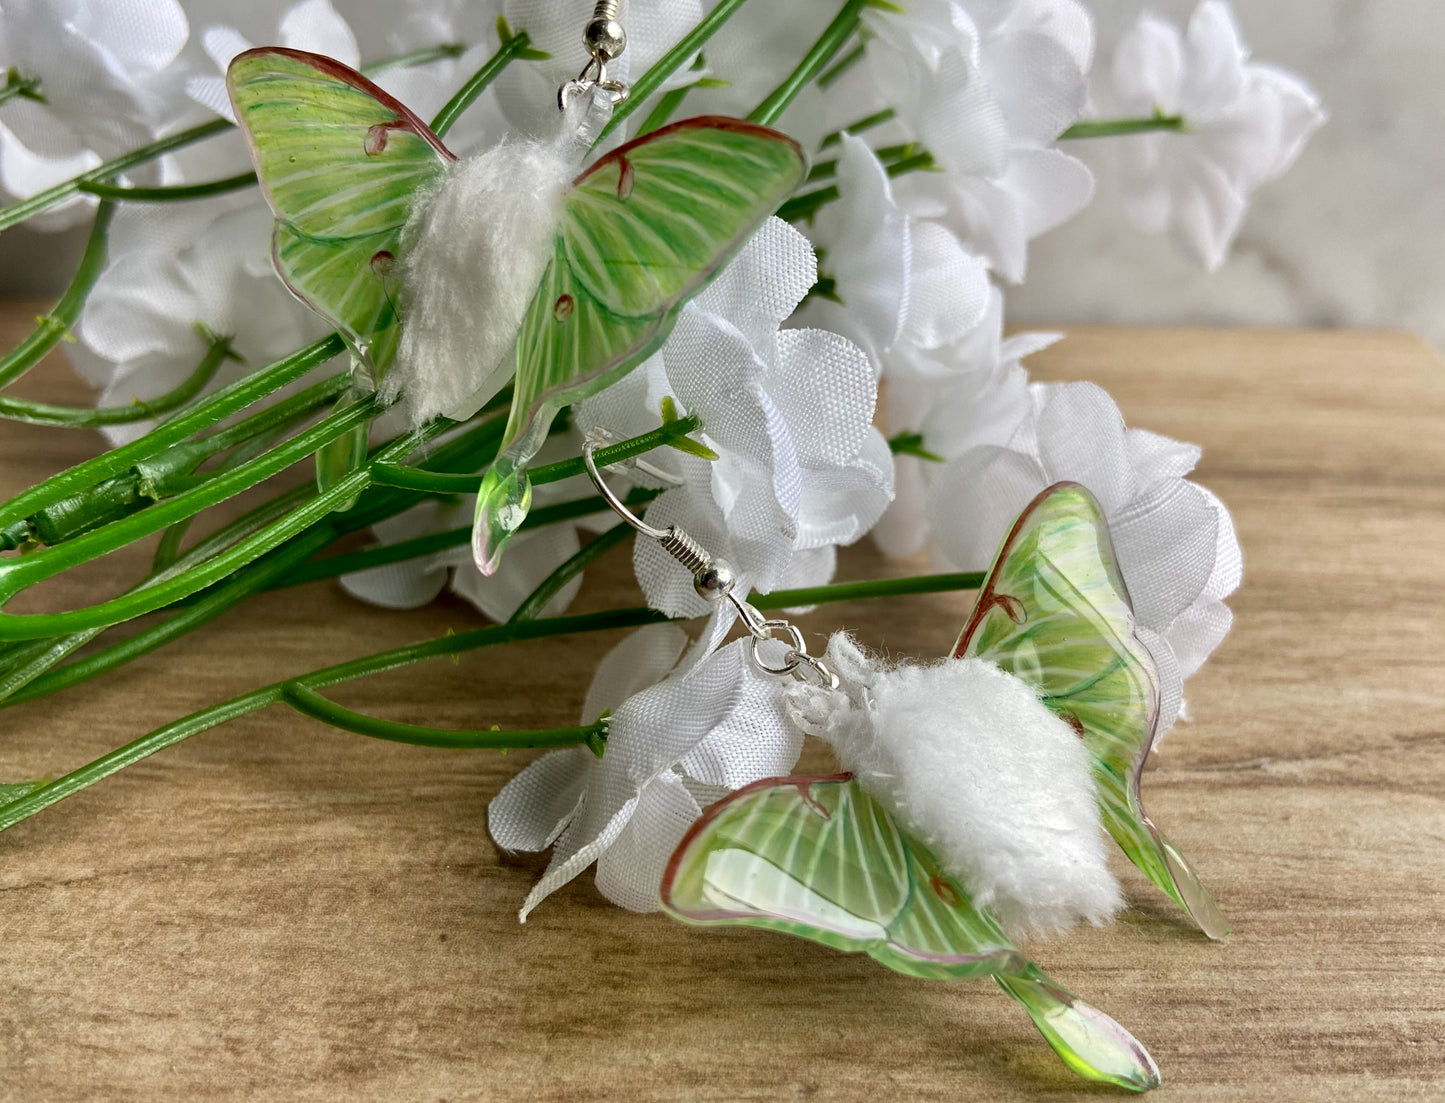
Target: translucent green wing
column 1054, row 611
column 641, row 232
column 341, row 162
column 349, row 283
column 820, row 859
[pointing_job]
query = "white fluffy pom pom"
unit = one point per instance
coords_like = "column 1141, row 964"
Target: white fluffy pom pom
column 472, row 254
column 974, row 766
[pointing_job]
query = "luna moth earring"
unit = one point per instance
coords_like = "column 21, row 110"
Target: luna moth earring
column 447, row 278
column 976, row 788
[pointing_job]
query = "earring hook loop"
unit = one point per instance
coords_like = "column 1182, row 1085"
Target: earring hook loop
column 617, row 505
column 714, row 580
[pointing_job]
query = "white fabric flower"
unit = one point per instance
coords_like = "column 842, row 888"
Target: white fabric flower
column 1176, row 543
column 1246, row 124
column 970, row 393
column 205, row 262
column 800, row 468
column 103, row 70
column 675, row 744
column 904, row 285
column 310, row 25
column 988, row 102
column 108, row 78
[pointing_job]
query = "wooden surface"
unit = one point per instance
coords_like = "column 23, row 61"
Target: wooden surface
column 277, row 911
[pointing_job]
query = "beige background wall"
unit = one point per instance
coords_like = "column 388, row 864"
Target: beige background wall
column 1353, row 236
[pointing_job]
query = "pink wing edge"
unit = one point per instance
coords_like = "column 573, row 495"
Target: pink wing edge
column 697, row 122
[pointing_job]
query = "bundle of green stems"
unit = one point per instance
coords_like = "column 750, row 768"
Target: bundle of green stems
column 208, row 447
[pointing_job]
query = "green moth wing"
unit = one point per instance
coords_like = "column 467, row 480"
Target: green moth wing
column 340, row 162
column 641, row 231
column 1054, row 611
column 820, row 859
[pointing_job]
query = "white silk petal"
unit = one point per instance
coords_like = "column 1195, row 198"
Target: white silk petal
column 637, row 662
column 534, row 807
column 629, row 871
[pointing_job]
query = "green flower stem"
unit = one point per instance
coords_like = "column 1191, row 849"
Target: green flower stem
column 868, row 122
column 802, row 208
column 32, row 660
column 208, row 718
column 424, row 482
column 675, row 430
column 310, row 703
column 21, row 86
column 169, row 192
column 813, row 64
column 38, row 680
column 279, row 417
column 78, row 480
column 79, row 417
column 168, row 550
column 416, row 548
column 513, row 632
column 555, row 582
column 1114, row 128
column 17, row 213
column 888, row 155
column 432, row 482
column 173, row 471
column 670, row 62
column 442, row 52
column 919, row 162
column 473, row 446
column 17, row 574
column 848, row 60
column 910, row 443
column 52, row 327
column 859, row 591
column 666, row 108
column 513, row 46
column 46, row 653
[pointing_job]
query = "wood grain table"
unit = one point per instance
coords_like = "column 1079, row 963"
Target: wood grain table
column 278, row 911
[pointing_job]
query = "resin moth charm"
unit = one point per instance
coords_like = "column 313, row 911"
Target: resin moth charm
column 571, row 282
column 868, row 861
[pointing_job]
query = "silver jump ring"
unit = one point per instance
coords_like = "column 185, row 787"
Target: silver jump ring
column 593, row 75
column 819, row 667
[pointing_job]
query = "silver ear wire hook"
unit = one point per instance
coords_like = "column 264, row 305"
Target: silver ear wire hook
column 714, row 580
column 605, row 39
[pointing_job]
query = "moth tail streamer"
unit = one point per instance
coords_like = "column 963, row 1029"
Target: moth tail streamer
column 1088, row 1041
column 1190, row 892
column 503, row 502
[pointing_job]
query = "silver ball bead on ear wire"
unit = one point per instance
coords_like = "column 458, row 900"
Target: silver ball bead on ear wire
column 605, row 39
column 714, row 581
